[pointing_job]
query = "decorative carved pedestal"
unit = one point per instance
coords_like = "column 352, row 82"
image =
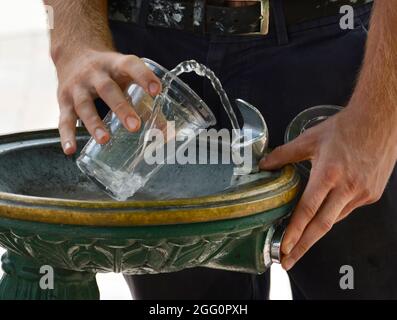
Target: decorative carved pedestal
column 22, row 280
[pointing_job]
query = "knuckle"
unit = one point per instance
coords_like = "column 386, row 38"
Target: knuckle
column 93, row 119
column 120, row 107
column 374, row 197
column 61, row 125
column 105, row 86
column 142, row 73
column 294, row 234
column 367, row 194
column 63, row 94
column 66, row 116
column 332, row 173
column 79, row 77
column 81, row 103
column 308, row 210
column 125, row 61
column 324, row 225
column 86, row 71
column 311, row 136
column 301, row 248
column 93, row 64
column 65, row 120
column 353, row 185
column 65, row 127
column 278, row 151
column 81, row 100
column 378, row 196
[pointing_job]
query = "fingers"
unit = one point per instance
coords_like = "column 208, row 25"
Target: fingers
column 138, row 72
column 100, row 74
column 353, row 204
column 295, row 151
column 316, row 191
column 85, row 109
column 111, row 93
column 67, row 129
column 318, row 227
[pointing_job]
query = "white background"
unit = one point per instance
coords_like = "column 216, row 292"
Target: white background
column 28, row 102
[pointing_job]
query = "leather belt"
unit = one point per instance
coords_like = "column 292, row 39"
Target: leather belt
column 202, row 16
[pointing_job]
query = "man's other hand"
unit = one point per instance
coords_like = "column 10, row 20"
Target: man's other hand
column 352, row 159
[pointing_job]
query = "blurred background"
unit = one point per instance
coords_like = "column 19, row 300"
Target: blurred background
column 28, row 102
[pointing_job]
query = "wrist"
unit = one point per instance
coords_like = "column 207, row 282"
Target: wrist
column 376, row 119
column 376, row 106
column 62, row 53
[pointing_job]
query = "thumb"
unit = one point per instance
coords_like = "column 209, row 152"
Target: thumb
column 295, row 151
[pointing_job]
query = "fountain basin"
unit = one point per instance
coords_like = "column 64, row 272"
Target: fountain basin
column 50, row 214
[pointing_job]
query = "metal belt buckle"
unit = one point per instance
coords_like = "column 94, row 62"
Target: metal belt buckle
column 265, row 14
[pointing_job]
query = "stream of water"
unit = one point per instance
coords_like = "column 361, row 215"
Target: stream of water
column 203, row 71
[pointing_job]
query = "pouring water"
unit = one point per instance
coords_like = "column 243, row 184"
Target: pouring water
column 119, row 167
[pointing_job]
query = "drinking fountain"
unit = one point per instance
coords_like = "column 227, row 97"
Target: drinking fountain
column 52, row 215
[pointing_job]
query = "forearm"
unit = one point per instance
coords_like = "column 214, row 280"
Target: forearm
column 376, row 91
column 79, row 25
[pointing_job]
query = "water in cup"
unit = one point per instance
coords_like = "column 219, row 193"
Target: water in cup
column 119, row 167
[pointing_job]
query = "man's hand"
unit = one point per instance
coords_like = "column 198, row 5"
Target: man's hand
column 351, row 164
column 353, row 153
column 99, row 74
column 88, row 67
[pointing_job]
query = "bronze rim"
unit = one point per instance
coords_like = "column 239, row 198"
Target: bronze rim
column 251, row 201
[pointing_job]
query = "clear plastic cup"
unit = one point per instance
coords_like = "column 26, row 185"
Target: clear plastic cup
column 120, row 167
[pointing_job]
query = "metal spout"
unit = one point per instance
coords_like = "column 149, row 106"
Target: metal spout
column 255, row 134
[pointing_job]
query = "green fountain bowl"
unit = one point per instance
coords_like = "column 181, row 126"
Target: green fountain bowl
column 189, row 216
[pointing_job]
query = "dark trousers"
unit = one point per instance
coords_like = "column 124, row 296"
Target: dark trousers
column 281, row 74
